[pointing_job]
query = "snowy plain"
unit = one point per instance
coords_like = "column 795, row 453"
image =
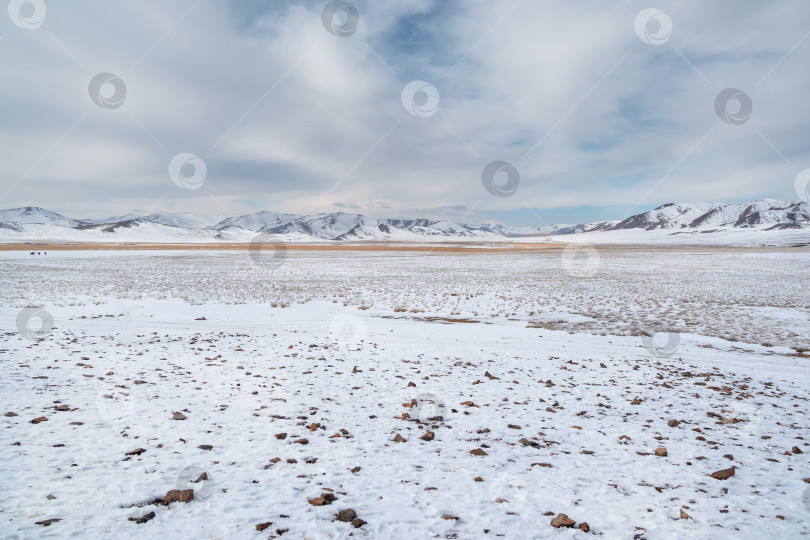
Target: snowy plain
column 348, row 350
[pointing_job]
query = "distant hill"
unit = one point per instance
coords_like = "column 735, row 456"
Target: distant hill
column 33, row 223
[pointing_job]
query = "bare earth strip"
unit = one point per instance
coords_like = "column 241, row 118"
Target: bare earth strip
column 446, row 248
column 389, row 247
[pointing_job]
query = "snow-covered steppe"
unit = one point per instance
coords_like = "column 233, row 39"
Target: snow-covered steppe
column 437, row 395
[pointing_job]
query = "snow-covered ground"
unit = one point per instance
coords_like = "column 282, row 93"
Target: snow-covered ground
column 348, row 350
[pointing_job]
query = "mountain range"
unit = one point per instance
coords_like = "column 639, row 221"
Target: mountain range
column 37, row 224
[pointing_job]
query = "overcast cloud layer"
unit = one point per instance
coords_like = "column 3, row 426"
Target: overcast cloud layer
column 589, row 108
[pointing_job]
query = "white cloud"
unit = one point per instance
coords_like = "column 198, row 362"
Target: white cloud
column 316, row 106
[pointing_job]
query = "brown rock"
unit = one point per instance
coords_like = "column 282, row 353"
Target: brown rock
column 48, row 522
column 684, row 515
column 136, row 452
column 526, row 442
column 178, row 416
column 513, row 426
column 723, row 474
column 202, row 478
column 63, row 408
column 399, row 438
column 302, row 441
column 37, row 421
column 585, row 527
column 205, row 447
column 176, row 495
column 478, row 452
column 796, row 450
column 357, row 523
column 9, row 414
column 673, row 423
column 661, row 452
column 281, row 436
column 143, row 519
column 348, row 515
column 262, row 526
column 411, row 384
column 479, row 479
column 428, row 436
column 562, row 521
column 356, row 469
column 449, row 517
column 636, row 401
column 318, row 501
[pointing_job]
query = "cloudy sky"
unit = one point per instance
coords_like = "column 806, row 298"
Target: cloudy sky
column 601, row 109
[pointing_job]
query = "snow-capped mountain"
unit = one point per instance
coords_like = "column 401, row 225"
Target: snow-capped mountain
column 34, row 214
column 670, row 220
column 701, row 215
column 254, row 222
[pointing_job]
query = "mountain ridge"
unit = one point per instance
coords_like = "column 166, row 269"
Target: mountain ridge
column 33, row 222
